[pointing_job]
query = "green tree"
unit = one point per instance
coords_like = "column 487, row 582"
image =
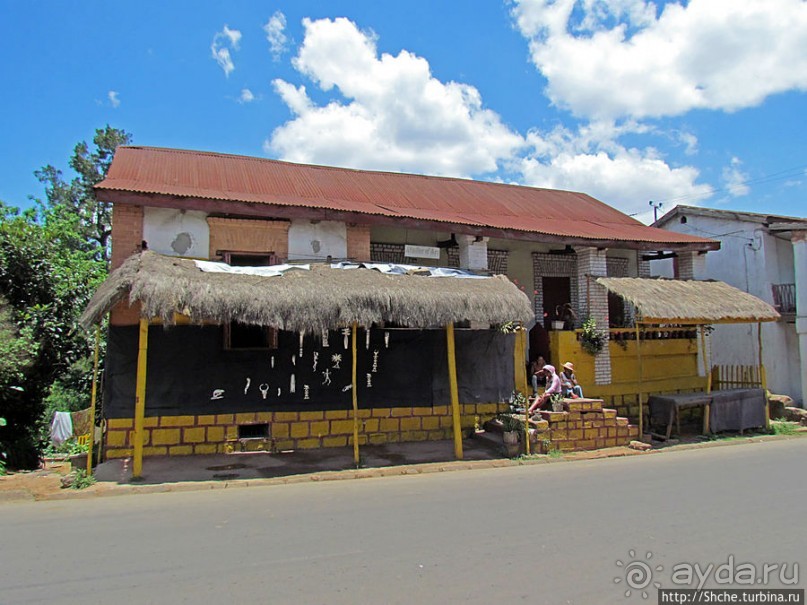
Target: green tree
column 77, row 197
column 52, row 258
column 46, row 280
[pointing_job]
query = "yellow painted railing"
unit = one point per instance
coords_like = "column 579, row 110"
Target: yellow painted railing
column 736, row 377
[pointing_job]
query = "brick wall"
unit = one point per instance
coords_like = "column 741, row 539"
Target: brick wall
column 358, row 242
column 685, row 266
column 387, row 253
column 127, row 237
column 127, row 232
column 616, row 267
column 644, row 268
column 592, row 263
column 394, row 253
column 218, row 433
column 245, row 235
column 497, row 260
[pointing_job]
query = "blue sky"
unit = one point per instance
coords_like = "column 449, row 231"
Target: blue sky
column 701, row 102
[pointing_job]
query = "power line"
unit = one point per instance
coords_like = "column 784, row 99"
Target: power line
column 767, row 178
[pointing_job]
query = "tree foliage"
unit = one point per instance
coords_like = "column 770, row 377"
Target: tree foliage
column 76, row 197
column 52, row 258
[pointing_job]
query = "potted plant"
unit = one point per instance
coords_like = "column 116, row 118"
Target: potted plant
column 512, row 429
column 592, row 340
column 518, row 402
column 557, row 402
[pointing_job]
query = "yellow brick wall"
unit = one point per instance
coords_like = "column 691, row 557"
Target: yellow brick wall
column 210, row 434
column 668, row 366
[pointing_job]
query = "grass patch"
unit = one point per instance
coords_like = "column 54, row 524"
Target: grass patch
column 784, row 427
column 82, row 480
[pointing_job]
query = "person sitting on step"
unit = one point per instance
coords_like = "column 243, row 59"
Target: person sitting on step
column 553, row 387
column 571, row 388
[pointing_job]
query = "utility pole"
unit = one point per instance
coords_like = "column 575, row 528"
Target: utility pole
column 656, row 207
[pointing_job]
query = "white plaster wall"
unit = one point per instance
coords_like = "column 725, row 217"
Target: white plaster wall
column 176, row 232
column 663, row 268
column 317, row 240
column 751, row 260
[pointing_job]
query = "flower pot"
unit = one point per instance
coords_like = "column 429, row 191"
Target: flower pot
column 512, row 444
column 510, row 438
column 557, row 325
column 557, row 406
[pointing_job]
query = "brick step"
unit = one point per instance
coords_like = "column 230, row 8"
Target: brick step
column 583, row 405
column 586, row 429
column 579, row 430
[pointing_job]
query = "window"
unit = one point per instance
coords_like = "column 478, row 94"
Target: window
column 239, row 336
column 248, row 259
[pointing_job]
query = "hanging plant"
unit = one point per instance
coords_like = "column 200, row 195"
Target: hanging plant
column 592, row 340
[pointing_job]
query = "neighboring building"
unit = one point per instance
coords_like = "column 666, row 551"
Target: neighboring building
column 251, row 211
column 764, row 255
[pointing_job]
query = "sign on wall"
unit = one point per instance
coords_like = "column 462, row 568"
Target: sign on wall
column 431, row 252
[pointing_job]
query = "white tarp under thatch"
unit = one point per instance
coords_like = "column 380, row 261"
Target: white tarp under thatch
column 308, row 301
column 689, row 301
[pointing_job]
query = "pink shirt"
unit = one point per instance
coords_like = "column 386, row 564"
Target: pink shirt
column 553, row 385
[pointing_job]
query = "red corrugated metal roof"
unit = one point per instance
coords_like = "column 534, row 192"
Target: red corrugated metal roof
column 215, row 176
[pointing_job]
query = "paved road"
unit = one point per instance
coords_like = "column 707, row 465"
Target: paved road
column 537, row 534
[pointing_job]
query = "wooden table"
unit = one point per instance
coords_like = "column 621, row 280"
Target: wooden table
column 678, row 402
column 735, row 409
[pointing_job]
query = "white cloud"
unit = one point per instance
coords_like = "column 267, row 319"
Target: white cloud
column 114, row 99
column 246, row 96
column 629, row 58
column 224, row 41
column 689, row 140
column 274, row 34
column 735, row 180
column 590, row 160
column 388, row 113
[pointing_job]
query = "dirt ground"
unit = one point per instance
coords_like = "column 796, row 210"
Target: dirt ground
column 38, row 484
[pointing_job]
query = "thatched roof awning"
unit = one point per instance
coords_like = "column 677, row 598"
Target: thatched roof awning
column 310, row 301
column 688, row 301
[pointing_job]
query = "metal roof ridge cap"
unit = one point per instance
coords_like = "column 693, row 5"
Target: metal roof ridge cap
column 359, row 170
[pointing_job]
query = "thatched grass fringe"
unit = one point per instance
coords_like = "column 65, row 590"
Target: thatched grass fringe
column 307, row 301
column 689, row 301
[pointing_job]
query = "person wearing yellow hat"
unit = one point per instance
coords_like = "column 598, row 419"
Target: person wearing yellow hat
column 571, row 387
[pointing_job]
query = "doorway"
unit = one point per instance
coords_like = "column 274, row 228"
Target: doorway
column 557, row 292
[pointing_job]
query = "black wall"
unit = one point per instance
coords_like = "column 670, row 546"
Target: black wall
column 186, row 364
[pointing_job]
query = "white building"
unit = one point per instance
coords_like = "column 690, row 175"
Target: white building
column 766, row 256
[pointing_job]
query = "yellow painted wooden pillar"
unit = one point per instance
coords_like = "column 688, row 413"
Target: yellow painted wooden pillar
column 354, row 390
column 707, row 359
column 521, row 380
column 520, row 360
column 140, row 399
column 93, row 397
column 707, row 410
column 641, row 386
column 455, row 398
